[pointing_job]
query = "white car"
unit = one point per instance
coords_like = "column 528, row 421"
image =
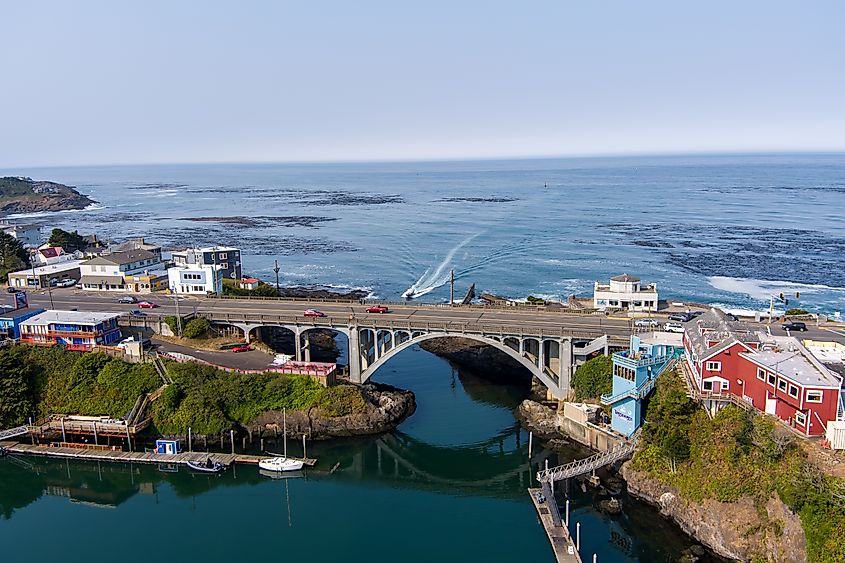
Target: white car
column 651, row 323
column 674, row 327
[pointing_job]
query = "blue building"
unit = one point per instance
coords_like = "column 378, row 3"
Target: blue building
column 634, row 372
column 10, row 321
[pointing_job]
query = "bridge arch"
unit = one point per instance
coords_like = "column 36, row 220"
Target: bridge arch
column 416, row 338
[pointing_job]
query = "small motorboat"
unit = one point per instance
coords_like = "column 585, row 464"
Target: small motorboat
column 207, row 466
column 280, row 464
column 409, row 294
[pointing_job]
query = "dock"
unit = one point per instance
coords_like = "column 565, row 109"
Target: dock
column 562, row 544
column 103, row 453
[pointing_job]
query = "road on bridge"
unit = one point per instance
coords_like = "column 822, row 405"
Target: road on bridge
column 529, row 318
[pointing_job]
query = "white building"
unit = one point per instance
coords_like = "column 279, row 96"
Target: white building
column 625, row 292
column 196, row 279
column 226, row 258
column 40, row 276
column 47, row 254
column 131, row 270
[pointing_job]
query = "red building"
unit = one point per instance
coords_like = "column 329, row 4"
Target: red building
column 775, row 374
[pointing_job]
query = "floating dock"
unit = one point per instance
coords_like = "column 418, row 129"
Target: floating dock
column 562, row 543
column 104, row 453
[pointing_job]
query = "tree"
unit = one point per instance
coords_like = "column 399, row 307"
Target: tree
column 70, row 242
column 16, row 388
column 196, row 328
column 594, row 378
column 13, row 256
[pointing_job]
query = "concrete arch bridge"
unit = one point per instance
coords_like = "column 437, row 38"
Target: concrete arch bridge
column 549, row 351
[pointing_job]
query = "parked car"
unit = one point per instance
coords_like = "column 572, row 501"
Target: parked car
column 11, row 289
column 69, row 282
column 241, row 348
column 127, row 299
column 731, row 317
column 673, row 327
column 54, row 282
column 145, row 342
column 137, row 313
column 147, row 305
column 378, row 309
column 794, row 325
column 313, row 313
column 679, row 317
column 646, row 322
column 695, row 314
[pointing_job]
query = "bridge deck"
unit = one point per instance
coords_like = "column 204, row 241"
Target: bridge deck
column 562, row 543
column 139, row 457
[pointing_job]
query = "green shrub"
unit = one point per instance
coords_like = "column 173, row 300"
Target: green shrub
column 196, row 328
column 797, row 312
column 594, row 378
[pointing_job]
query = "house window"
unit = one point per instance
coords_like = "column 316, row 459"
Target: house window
column 772, row 379
column 814, row 396
column 707, row 385
column 793, row 391
column 725, row 385
column 601, row 302
column 781, row 385
column 714, row 366
column 224, row 266
column 800, row 418
column 222, row 256
column 761, row 374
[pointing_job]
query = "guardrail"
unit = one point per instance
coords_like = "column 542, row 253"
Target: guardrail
column 387, row 324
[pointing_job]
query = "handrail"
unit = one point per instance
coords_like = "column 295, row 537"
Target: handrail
column 13, row 432
column 585, row 465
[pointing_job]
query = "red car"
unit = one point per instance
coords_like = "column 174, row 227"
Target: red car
column 313, row 313
column 147, row 305
column 242, row 348
column 378, row 309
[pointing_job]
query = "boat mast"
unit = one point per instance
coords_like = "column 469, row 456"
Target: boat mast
column 285, row 429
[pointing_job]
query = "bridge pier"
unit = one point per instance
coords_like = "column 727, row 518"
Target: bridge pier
column 354, row 354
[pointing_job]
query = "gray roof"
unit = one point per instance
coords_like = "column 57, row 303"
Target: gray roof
column 117, row 258
column 712, row 326
column 786, row 356
column 625, row 278
column 70, row 317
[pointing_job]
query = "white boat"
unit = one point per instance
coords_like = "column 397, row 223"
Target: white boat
column 282, row 463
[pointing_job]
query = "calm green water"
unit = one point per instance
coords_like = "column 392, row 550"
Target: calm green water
column 448, row 485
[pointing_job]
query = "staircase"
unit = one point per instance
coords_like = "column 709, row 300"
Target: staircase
column 599, row 343
column 588, row 464
column 161, row 370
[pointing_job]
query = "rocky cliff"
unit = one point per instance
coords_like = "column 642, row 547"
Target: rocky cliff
column 738, row 530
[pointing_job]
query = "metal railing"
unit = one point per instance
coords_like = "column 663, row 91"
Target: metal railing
column 13, row 432
column 588, row 464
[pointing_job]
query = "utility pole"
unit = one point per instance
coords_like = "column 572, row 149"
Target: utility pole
column 178, row 316
column 451, row 287
column 276, row 269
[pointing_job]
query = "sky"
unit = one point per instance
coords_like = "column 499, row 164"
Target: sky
column 109, row 82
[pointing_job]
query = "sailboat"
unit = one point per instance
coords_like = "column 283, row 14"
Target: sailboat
column 282, row 463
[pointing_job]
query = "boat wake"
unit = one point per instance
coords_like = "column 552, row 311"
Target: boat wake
column 431, row 280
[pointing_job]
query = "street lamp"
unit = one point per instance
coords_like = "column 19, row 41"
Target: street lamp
column 178, row 316
column 37, row 281
column 276, row 269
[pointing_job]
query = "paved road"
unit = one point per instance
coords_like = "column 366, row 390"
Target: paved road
column 254, row 359
column 412, row 311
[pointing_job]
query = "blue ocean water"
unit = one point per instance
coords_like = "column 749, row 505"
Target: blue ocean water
column 728, row 230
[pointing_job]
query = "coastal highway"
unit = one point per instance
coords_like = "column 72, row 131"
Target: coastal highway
column 530, row 318
column 551, row 320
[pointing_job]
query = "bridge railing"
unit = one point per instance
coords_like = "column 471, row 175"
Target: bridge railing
column 554, row 308
column 407, row 325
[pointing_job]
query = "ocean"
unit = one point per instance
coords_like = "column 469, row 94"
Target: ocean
column 722, row 230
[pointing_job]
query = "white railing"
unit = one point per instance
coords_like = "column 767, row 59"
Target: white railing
column 587, row 464
column 13, row 432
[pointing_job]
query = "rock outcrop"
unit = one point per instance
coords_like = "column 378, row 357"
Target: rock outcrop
column 539, row 419
column 24, row 195
column 738, row 530
column 386, row 407
column 485, row 360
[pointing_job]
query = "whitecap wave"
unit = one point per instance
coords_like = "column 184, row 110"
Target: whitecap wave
column 762, row 290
